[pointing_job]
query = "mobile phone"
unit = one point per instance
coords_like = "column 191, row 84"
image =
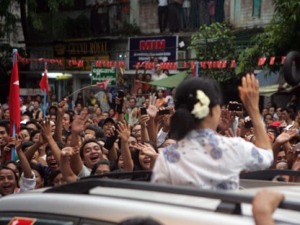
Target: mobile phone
column 288, row 127
column 119, row 107
column 235, row 106
column 164, row 112
column 143, row 110
column 248, row 124
column 111, row 140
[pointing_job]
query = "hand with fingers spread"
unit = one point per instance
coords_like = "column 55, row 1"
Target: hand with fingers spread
column 20, row 139
column 68, row 152
column 225, row 120
column 147, row 149
column 152, row 110
column 79, row 122
column 286, row 135
column 124, row 131
column 46, row 131
column 249, row 93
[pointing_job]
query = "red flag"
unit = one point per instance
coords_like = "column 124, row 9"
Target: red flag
column 102, row 84
column 272, row 60
column 14, row 98
column 232, row 64
column 283, row 59
column 44, row 81
column 22, row 221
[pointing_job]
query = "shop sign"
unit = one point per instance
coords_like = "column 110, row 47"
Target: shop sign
column 100, row 74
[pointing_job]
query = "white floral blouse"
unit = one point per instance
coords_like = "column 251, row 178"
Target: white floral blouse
column 206, row 160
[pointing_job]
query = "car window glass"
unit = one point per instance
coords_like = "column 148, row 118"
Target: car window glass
column 35, row 220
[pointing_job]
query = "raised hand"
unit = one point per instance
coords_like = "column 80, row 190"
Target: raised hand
column 61, row 106
column 249, row 93
column 152, row 110
column 68, row 152
column 286, row 135
column 78, row 124
column 20, row 139
column 124, row 131
column 225, row 120
column 143, row 119
column 45, row 131
column 147, row 149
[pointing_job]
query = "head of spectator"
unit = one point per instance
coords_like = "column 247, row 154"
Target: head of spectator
column 53, row 98
column 197, row 103
column 148, row 77
column 8, row 181
column 132, row 103
column 140, row 92
column 39, row 176
column 50, row 159
column 272, row 110
column 14, row 166
column 139, row 221
column 93, row 132
column 139, row 77
column 264, row 111
column 141, row 160
column 136, row 131
column 98, row 112
column 268, row 119
column 53, row 110
column 106, row 124
column 112, row 113
column 35, row 136
column 67, row 120
column 91, row 152
column 147, row 102
column 286, row 114
column 101, row 167
column 57, row 178
column 6, row 114
column 32, row 125
column 25, row 132
column 26, row 116
column 4, row 133
column 78, row 107
column 105, row 115
column 53, row 117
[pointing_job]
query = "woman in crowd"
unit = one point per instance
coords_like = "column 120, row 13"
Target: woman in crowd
column 201, row 158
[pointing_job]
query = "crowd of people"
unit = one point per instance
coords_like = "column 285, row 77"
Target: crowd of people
column 185, row 135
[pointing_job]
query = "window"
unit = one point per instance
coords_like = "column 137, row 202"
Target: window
column 38, row 219
column 256, row 8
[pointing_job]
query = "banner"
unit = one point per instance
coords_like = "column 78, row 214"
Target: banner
column 142, row 48
column 100, row 74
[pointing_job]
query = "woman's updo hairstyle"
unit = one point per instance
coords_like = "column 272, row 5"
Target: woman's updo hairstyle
column 183, row 121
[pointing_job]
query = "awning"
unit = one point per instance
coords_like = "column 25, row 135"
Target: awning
column 170, row 82
column 276, row 88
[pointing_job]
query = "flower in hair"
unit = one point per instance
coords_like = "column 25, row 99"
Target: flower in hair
column 201, row 108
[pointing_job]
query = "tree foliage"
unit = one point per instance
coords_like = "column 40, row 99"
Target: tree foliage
column 279, row 37
column 212, row 43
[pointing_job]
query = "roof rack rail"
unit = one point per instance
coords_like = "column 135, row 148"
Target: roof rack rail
column 230, row 201
column 268, row 174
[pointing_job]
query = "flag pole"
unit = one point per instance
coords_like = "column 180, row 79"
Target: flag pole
column 45, row 96
column 197, row 69
column 12, row 151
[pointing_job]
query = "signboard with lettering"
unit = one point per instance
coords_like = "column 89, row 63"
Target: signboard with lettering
column 141, row 49
column 88, row 51
column 100, row 74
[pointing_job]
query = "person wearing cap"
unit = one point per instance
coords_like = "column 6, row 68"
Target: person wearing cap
column 106, row 124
